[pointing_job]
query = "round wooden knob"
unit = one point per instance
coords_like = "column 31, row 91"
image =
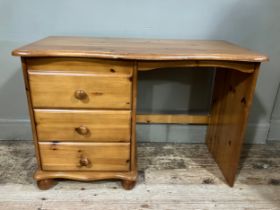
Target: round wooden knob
column 82, row 130
column 84, row 161
column 80, row 94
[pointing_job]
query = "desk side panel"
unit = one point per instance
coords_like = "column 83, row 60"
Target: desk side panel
column 232, row 98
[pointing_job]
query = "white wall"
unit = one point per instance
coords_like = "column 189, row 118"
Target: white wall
column 252, row 23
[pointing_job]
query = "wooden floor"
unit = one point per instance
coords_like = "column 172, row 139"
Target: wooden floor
column 172, row 176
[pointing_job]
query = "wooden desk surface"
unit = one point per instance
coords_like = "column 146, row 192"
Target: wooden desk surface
column 138, row 49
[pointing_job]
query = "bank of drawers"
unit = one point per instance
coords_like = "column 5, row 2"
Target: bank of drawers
column 82, row 111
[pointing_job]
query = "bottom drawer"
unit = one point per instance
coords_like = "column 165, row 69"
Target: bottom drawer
column 85, row 156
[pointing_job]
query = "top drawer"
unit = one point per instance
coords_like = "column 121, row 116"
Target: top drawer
column 80, row 83
column 82, row 65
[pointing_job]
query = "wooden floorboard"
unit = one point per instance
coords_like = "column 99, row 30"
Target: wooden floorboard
column 172, row 176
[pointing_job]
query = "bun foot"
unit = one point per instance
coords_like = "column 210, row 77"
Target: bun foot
column 46, row 184
column 128, row 185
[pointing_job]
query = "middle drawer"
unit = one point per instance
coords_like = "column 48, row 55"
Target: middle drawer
column 83, row 125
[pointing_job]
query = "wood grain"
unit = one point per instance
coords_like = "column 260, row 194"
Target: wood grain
column 80, row 75
column 232, row 99
column 86, row 175
column 133, row 152
column 57, row 90
column 172, row 118
column 138, row 49
column 98, row 67
column 100, row 156
column 102, row 126
column 30, row 109
column 242, row 66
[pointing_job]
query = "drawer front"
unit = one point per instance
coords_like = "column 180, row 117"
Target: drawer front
column 79, row 90
column 83, row 125
column 82, row 65
column 85, row 156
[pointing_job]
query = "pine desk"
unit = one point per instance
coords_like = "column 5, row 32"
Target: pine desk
column 82, row 100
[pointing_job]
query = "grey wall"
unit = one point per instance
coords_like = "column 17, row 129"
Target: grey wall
column 253, row 24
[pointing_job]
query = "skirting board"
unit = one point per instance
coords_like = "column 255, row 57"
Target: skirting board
column 256, row 133
column 274, row 131
column 15, row 129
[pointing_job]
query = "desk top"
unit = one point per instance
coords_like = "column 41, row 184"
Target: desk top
column 138, row 49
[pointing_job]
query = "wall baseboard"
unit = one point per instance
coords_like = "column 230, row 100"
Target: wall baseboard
column 256, row 133
column 15, row 129
column 274, row 132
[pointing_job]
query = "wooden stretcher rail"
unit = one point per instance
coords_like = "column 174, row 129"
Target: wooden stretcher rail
column 172, row 118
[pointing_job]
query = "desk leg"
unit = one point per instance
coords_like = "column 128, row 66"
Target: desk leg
column 232, row 98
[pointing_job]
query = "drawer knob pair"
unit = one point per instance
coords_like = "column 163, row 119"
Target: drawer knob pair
column 80, row 95
column 82, row 130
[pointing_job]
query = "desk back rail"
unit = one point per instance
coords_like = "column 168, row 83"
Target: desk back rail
column 246, row 67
